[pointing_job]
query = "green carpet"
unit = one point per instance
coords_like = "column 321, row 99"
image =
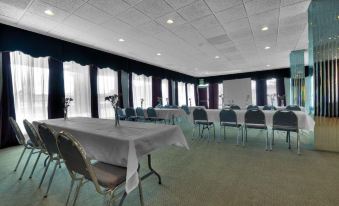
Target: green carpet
column 208, row 174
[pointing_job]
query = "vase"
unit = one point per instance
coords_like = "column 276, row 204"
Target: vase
column 116, row 123
column 65, row 113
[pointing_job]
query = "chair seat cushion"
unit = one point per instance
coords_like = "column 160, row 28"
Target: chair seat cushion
column 109, row 176
column 285, row 128
column 203, row 122
column 256, row 126
column 30, row 143
column 229, row 124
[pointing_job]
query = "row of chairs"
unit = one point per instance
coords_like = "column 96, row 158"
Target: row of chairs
column 137, row 114
column 64, row 148
column 266, row 107
column 283, row 120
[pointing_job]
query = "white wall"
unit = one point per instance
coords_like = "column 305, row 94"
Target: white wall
column 238, row 91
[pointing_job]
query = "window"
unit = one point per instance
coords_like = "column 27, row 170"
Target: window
column 181, row 94
column 271, row 85
column 254, row 92
column 164, row 91
column 77, row 86
column 30, row 87
column 107, row 85
column 142, row 89
column 191, row 95
column 220, row 95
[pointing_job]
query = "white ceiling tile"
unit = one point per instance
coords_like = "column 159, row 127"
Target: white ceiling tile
column 258, row 6
column 179, row 3
column 38, row 7
column 208, row 26
column 154, row 8
column 78, row 23
column 67, row 5
column 219, row 5
column 116, row 25
column 177, row 19
column 152, row 28
column 289, row 2
column 92, row 14
column 294, row 10
column 195, row 10
column 37, row 23
column 112, row 7
column 10, row 12
column 133, row 17
column 19, row 4
column 231, row 14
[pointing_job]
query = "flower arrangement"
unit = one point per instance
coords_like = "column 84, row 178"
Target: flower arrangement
column 142, row 101
column 114, row 101
column 190, row 101
column 159, row 100
column 281, row 98
column 67, row 103
column 272, row 97
column 167, row 102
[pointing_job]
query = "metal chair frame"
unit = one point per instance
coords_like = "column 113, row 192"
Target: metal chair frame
column 82, row 180
column 204, row 122
column 152, row 116
column 227, row 123
column 130, row 114
column 254, row 124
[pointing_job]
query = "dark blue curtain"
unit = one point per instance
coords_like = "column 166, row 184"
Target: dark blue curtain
column 121, row 100
column 261, row 91
column 156, row 90
column 176, row 93
column 170, row 94
column 56, row 89
column 93, row 73
column 196, row 94
column 7, row 137
column 130, row 89
column 281, row 90
column 213, row 96
column 187, row 103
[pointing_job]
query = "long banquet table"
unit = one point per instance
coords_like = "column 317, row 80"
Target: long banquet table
column 168, row 113
column 305, row 121
column 123, row 145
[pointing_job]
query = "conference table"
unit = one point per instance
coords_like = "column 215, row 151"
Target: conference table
column 305, row 121
column 123, row 145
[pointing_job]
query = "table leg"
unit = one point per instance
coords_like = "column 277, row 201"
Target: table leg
column 152, row 170
column 173, row 119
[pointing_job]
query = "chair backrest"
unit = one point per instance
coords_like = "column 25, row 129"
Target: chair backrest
column 200, row 114
column 228, row 115
column 151, row 112
column 130, row 112
column 293, row 108
column 48, row 138
column 74, row 157
column 120, row 112
column 235, row 107
column 18, row 134
column 285, row 118
column 250, row 107
column 140, row 112
column 185, row 108
column 255, row 116
column 33, row 135
column 269, row 107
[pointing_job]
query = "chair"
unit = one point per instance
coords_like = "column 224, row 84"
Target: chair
column 152, row 116
column 186, row 109
column 28, row 145
column 49, row 139
column 293, row 108
column 130, row 114
column 250, row 107
column 235, row 107
column 269, row 107
column 287, row 121
column 255, row 119
column 228, row 118
column 80, row 168
column 200, row 118
column 140, row 114
column 34, row 136
column 121, row 114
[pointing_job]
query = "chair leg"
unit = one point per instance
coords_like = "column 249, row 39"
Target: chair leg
column 123, row 198
column 43, row 176
column 266, row 140
column 224, row 133
column 77, row 192
column 245, row 137
column 141, row 196
column 289, row 140
column 199, row 129
column 29, row 157
column 238, row 136
column 70, row 191
column 194, row 127
column 22, row 154
column 36, row 162
column 51, row 178
column 287, row 136
column 214, row 131
column 272, row 140
column 298, row 143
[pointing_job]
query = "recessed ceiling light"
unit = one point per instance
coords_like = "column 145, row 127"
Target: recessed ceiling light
column 169, row 21
column 267, row 47
column 121, row 40
column 158, row 54
column 265, row 28
column 268, row 65
column 49, row 12
column 216, row 57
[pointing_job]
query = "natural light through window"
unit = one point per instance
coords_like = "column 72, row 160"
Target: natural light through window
column 220, row 95
column 181, row 94
column 142, row 90
column 191, row 95
column 254, row 92
column 164, row 92
column 271, row 85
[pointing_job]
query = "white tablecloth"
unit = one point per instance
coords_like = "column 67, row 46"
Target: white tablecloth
column 123, row 145
column 168, row 113
column 305, row 121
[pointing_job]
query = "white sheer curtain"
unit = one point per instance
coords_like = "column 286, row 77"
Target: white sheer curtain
column 142, row 89
column 77, row 86
column 191, row 94
column 107, row 85
column 164, row 91
column 181, row 94
column 30, row 87
column 220, row 95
